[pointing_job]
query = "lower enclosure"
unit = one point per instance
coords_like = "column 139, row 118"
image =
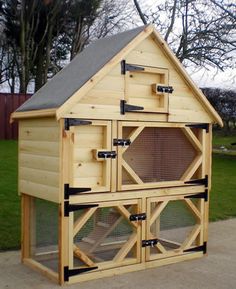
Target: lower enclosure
column 80, row 241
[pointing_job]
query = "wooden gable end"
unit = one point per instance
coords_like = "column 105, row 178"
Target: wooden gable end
column 182, row 105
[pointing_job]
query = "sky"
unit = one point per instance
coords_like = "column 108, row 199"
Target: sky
column 204, row 77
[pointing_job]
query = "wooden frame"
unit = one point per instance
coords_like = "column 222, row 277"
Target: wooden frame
column 157, row 97
column 142, row 200
column 85, row 169
column 196, row 232
column 102, row 230
column 198, row 161
column 65, row 164
column 28, row 240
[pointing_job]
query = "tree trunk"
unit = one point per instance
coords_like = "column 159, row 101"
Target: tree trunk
column 39, row 77
column 23, row 87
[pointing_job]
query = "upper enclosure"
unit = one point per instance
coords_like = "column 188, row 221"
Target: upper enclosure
column 129, row 76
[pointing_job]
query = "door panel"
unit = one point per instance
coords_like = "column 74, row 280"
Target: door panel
column 102, row 236
column 176, row 223
column 141, row 88
column 159, row 155
column 86, row 169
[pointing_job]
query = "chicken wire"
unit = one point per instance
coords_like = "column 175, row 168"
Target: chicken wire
column 174, row 224
column 158, row 155
column 44, row 233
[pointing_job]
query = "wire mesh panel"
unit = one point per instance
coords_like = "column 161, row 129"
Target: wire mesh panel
column 157, row 155
column 176, row 224
column 44, row 233
column 105, row 235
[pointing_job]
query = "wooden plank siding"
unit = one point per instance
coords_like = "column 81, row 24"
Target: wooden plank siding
column 103, row 100
column 8, row 104
column 39, row 162
column 183, row 104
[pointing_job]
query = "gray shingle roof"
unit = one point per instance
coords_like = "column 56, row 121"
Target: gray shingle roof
column 71, row 78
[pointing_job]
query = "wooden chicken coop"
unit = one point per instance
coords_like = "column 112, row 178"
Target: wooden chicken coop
column 115, row 162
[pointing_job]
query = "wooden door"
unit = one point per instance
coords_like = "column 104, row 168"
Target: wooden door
column 104, row 235
column 147, row 88
column 160, row 155
column 89, row 162
column 175, row 225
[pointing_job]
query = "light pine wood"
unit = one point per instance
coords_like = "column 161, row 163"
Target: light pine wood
column 136, row 267
column 126, row 248
column 192, row 138
column 194, row 210
column 191, row 238
column 139, row 89
column 25, row 226
column 39, row 190
column 83, row 257
column 32, row 114
column 66, row 107
column 192, row 168
column 161, row 193
column 39, row 161
column 86, row 169
column 157, row 211
column 82, row 220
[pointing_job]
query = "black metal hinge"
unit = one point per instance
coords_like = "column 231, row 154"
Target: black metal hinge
column 202, row 248
column 138, row 217
column 151, row 242
column 75, row 122
column 73, row 207
column 165, row 89
column 130, row 67
column 73, row 272
column 203, row 195
column 199, row 125
column 106, row 154
column 199, row 181
column 121, row 142
column 73, row 191
column 124, row 107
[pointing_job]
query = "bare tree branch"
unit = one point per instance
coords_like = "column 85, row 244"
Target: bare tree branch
column 140, row 12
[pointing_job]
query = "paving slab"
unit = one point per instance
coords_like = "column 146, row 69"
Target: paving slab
column 215, row 271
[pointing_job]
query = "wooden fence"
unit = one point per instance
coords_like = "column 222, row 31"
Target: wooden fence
column 9, row 103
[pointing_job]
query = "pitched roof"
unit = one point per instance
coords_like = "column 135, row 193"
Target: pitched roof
column 65, row 83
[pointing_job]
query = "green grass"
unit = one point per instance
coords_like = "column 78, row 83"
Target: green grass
column 223, row 195
column 222, row 140
column 9, row 200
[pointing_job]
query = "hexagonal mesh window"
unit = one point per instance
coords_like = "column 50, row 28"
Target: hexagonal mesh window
column 107, row 235
column 157, row 155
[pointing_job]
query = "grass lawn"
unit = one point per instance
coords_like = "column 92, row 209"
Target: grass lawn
column 9, row 200
column 223, row 195
column 221, row 140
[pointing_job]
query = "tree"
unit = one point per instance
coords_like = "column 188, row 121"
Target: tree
column 200, row 32
column 224, row 101
column 40, row 32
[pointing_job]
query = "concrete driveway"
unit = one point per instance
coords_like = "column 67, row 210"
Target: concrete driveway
column 216, row 271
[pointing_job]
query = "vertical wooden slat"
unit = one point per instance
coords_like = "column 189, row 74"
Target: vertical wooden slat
column 2, row 116
column 8, row 104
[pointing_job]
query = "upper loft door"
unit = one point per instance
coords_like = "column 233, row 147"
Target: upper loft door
column 160, row 155
column 90, row 155
column 146, row 88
